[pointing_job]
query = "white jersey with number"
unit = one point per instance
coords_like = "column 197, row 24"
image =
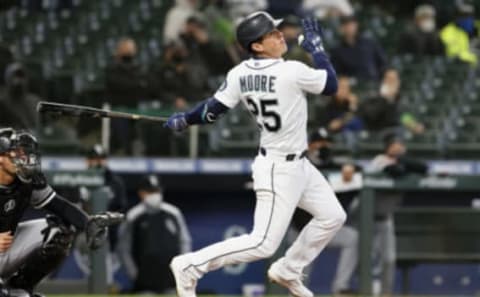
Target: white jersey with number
column 274, row 92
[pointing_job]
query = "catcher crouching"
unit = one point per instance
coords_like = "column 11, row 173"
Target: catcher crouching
column 32, row 249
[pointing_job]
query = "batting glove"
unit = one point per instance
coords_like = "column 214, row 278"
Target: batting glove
column 177, row 122
column 311, row 40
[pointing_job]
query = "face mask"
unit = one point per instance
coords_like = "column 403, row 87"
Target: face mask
column 427, row 25
column 127, row 59
column 153, row 200
column 324, row 153
column 17, row 87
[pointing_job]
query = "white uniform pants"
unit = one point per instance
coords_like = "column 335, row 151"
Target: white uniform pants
column 27, row 239
column 280, row 187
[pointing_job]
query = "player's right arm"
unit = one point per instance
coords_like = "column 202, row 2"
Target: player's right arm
column 209, row 110
column 311, row 41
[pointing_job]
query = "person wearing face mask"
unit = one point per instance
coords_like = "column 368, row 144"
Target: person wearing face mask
column 126, row 85
column 357, row 55
column 153, row 233
column 117, row 201
column 422, row 38
column 394, row 163
column 17, row 104
column 385, row 113
column 460, row 36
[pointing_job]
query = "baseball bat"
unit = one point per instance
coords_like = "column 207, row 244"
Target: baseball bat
column 91, row 112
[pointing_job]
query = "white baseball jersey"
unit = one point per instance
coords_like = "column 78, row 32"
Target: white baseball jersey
column 274, row 92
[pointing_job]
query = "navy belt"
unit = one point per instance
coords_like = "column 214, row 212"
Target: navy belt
column 289, row 157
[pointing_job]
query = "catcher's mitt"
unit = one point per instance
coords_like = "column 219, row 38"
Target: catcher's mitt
column 97, row 227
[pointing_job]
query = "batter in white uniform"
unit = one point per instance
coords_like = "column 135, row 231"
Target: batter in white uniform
column 274, row 92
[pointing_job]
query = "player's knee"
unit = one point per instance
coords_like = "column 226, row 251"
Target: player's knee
column 267, row 248
column 338, row 218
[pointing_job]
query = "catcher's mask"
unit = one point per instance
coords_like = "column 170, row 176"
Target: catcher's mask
column 22, row 148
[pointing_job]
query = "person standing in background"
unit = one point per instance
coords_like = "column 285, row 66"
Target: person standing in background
column 153, row 233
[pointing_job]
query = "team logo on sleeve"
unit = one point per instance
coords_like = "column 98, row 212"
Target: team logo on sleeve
column 9, row 206
column 223, row 86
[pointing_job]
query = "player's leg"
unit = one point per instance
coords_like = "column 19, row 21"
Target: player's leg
column 328, row 217
column 347, row 240
column 278, row 190
column 27, row 239
column 51, row 242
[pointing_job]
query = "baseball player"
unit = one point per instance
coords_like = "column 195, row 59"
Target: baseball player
column 32, row 249
column 274, row 92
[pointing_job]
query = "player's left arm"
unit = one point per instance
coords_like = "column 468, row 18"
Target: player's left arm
column 209, row 110
column 94, row 226
column 311, row 41
column 43, row 196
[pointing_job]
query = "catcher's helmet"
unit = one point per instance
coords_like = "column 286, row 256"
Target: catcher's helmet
column 255, row 26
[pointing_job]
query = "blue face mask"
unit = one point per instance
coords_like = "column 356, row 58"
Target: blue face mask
column 467, row 24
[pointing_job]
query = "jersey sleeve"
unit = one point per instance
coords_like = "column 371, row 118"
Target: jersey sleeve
column 229, row 92
column 310, row 80
column 41, row 197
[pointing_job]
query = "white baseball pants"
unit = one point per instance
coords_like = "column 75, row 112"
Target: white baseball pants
column 280, row 187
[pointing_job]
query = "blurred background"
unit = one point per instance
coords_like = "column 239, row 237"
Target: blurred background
column 408, row 76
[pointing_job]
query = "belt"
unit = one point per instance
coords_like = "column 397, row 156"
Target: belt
column 289, row 157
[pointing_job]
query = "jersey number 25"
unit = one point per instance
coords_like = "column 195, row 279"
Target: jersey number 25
column 274, row 122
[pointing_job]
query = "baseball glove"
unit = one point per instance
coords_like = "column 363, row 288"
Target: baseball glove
column 97, row 227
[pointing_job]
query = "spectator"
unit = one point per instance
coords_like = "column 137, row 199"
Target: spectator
column 172, row 80
column 291, row 29
column 340, row 112
column 358, row 56
column 197, row 40
column 320, row 150
column 176, row 18
column 385, row 111
column 238, row 9
column 391, row 162
column 117, row 200
column 222, row 28
column 17, row 105
column 6, row 58
column 125, row 82
column 458, row 36
column 328, row 8
column 126, row 85
column 153, row 233
column 422, row 39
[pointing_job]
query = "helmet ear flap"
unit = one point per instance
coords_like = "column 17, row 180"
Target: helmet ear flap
column 5, row 144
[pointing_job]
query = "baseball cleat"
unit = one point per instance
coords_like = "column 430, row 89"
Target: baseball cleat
column 184, row 283
column 294, row 285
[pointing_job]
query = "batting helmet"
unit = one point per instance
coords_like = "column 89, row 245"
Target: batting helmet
column 255, row 26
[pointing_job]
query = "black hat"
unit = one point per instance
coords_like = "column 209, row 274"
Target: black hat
column 390, row 139
column 320, row 134
column 150, row 183
column 97, row 151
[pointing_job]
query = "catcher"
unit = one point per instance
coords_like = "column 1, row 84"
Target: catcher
column 32, row 249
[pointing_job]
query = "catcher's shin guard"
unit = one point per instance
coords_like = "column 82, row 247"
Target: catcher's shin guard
column 57, row 241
